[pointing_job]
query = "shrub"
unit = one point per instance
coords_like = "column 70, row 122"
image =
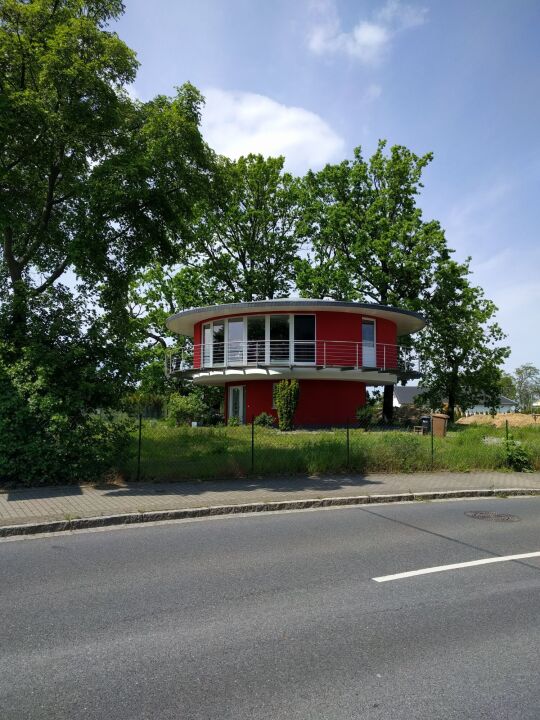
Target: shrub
column 366, row 414
column 286, row 399
column 48, row 437
column 517, row 458
column 265, row 420
column 185, row 409
column 233, row 421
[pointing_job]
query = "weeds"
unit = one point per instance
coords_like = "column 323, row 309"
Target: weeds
column 182, row 453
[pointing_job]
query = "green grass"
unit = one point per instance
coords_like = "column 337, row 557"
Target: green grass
column 183, row 453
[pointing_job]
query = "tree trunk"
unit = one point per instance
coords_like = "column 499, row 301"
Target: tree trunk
column 388, row 403
column 451, row 404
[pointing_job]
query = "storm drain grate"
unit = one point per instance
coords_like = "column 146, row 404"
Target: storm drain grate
column 495, row 517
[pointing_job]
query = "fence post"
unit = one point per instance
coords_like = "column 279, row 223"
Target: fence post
column 139, row 449
column 432, row 446
column 348, row 446
column 506, row 424
column 253, row 443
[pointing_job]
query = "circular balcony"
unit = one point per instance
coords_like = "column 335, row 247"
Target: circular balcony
column 222, row 362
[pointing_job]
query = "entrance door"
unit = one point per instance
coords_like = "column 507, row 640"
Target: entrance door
column 369, row 358
column 236, row 403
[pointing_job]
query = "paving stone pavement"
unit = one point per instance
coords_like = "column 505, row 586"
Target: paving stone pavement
column 68, row 502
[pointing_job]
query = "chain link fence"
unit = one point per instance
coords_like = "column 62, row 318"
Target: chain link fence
column 161, row 451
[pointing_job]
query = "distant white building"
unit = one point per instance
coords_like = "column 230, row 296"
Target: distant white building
column 405, row 395
column 506, row 405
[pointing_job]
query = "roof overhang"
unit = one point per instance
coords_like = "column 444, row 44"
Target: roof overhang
column 407, row 322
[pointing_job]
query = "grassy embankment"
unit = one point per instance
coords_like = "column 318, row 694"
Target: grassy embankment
column 189, row 453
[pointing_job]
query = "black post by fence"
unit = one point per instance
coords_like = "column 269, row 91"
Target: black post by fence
column 506, row 424
column 348, row 446
column 139, row 449
column 253, row 443
column 432, row 446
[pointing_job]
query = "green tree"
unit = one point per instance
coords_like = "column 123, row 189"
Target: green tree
column 527, row 383
column 369, row 241
column 242, row 248
column 93, row 186
column 508, row 386
column 460, row 347
column 244, row 235
column 156, row 293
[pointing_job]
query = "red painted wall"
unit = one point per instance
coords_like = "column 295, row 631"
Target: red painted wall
column 321, row 402
column 333, row 325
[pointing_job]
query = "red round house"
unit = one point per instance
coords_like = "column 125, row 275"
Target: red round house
column 334, row 349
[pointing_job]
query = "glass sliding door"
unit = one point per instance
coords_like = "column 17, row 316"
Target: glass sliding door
column 218, row 343
column 368, row 344
column 207, row 345
column 279, row 339
column 235, row 342
column 304, row 338
column 256, row 346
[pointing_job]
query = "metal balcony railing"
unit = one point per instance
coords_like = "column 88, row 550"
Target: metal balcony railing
column 344, row 354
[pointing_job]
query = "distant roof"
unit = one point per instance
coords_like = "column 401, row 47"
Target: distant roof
column 406, row 394
column 506, row 401
column 407, row 321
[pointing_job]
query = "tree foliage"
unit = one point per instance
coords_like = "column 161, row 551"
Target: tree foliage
column 460, row 347
column 244, row 236
column 242, row 247
column 527, row 384
column 369, row 240
column 93, row 186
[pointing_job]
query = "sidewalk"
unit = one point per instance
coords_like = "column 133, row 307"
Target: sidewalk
column 36, row 505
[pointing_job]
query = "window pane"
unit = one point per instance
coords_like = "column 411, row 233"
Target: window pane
column 368, row 331
column 279, row 338
column 368, row 343
column 236, row 341
column 304, row 338
column 219, row 342
column 255, row 336
column 207, row 345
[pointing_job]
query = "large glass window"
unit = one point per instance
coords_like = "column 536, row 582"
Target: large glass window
column 279, row 338
column 236, row 341
column 304, row 338
column 256, row 340
column 368, row 343
column 207, row 345
column 218, row 343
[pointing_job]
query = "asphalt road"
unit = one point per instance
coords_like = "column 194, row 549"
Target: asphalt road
column 277, row 616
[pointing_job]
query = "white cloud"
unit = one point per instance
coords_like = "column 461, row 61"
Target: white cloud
column 238, row 123
column 369, row 40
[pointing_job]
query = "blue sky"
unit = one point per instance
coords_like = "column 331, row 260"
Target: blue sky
column 312, row 79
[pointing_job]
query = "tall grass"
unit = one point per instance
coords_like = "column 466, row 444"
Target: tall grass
column 183, row 453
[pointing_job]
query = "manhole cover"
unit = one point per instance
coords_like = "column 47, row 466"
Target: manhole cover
column 495, row 517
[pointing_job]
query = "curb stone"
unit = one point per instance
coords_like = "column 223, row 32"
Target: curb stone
column 250, row 508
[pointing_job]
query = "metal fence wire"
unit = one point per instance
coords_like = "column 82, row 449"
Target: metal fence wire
column 162, row 451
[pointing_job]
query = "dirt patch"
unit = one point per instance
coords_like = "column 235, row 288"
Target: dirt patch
column 514, row 420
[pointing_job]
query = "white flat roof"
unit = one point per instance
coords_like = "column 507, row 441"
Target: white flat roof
column 407, row 322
